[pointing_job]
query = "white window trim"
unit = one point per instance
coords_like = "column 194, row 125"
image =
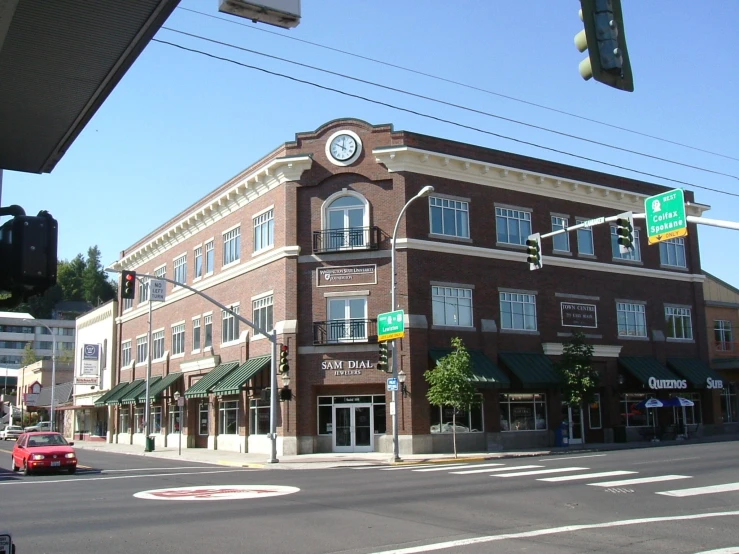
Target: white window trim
column 264, row 211
column 516, row 208
column 567, row 234
column 338, row 194
column 183, row 322
column 212, row 241
column 472, row 307
column 469, row 222
column 645, row 337
column 536, row 313
column 238, row 339
column 223, row 233
column 692, row 328
column 154, row 272
column 262, row 295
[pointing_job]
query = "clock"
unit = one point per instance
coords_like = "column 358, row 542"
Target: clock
column 343, row 148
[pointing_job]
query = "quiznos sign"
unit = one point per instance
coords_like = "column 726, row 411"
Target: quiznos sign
column 655, row 383
column 714, row 383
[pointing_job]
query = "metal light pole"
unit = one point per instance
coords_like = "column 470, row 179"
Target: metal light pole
column 53, row 367
column 425, row 191
column 147, row 404
column 273, row 402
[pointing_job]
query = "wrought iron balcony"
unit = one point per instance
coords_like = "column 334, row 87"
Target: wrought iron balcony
column 342, row 331
column 350, row 238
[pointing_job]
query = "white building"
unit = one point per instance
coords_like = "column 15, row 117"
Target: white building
column 18, row 329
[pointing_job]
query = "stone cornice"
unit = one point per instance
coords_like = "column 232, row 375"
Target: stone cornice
column 426, row 162
column 520, row 257
column 244, row 191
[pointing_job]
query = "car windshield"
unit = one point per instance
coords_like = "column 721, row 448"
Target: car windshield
column 51, row 439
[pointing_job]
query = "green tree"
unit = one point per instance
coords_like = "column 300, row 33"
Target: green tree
column 579, row 380
column 64, row 355
column 450, row 384
column 97, row 288
column 29, row 355
column 70, row 278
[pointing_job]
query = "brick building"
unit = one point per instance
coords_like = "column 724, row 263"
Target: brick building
column 300, row 241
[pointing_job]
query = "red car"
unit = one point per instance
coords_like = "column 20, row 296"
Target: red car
column 43, row 450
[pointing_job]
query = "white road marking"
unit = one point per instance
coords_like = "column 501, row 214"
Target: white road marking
column 552, row 531
column 727, row 550
column 555, row 459
column 640, row 480
column 585, row 476
column 144, row 469
column 86, row 479
column 542, row 471
column 414, row 467
column 511, row 468
column 456, row 467
column 728, row 487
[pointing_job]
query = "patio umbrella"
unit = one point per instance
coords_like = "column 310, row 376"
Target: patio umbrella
column 680, row 401
column 651, row 403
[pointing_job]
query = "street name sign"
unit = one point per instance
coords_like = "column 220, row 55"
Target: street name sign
column 390, row 325
column 392, row 384
column 665, row 216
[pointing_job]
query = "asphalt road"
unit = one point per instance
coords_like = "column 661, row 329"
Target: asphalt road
column 612, row 502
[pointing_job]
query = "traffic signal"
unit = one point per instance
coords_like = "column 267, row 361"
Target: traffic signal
column 382, row 364
column 605, row 40
column 533, row 250
column 128, row 284
column 284, row 366
column 286, row 394
column 625, row 232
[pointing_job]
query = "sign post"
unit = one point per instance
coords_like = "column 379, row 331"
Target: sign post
column 390, row 325
column 665, row 216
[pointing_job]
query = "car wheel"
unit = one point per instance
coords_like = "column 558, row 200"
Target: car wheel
column 12, row 464
column 72, row 470
column 26, row 469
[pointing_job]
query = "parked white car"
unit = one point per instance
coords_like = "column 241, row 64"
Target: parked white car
column 40, row 426
column 11, row 432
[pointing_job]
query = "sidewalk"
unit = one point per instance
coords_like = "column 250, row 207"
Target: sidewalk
column 333, row 460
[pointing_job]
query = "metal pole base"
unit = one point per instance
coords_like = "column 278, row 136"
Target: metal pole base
column 273, row 461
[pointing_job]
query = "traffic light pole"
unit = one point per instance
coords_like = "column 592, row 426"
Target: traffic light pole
column 272, row 337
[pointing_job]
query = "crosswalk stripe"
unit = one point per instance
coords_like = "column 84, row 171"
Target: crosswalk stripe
column 477, row 468
column 444, row 467
column 511, row 468
column 640, row 480
column 541, row 471
column 399, row 468
column 713, row 489
column 585, row 476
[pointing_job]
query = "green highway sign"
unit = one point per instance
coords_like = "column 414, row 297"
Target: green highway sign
column 390, row 325
column 665, row 216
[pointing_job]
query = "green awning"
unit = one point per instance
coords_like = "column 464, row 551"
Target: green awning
column 115, row 399
column 532, row 369
column 158, row 387
column 209, row 380
column 486, row 373
column 644, row 367
column 132, row 396
column 696, row 371
column 232, row 383
column 103, row 400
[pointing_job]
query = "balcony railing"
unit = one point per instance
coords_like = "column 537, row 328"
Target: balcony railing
column 342, row 331
column 340, row 240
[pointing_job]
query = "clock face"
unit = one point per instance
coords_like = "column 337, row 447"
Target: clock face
column 343, row 147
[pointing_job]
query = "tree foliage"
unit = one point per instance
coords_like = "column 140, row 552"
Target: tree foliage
column 579, row 379
column 29, row 355
column 450, row 383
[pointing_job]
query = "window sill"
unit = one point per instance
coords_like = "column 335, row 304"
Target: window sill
column 208, row 274
column 158, row 360
column 452, row 328
column 628, row 262
column 561, row 253
column 684, row 341
column 259, row 337
column 231, row 264
column 587, row 256
column 263, row 250
column 510, row 245
column 175, row 356
column 129, row 366
column 519, row 331
column 674, row 267
column 195, row 351
column 630, row 337
column 450, row 237
column 235, row 342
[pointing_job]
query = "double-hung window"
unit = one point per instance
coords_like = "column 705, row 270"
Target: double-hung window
column 452, row 306
column 180, row 269
column 198, row 262
column 209, row 257
column 449, row 217
column 160, row 272
column 633, row 254
column 678, row 323
column 126, row 353
column 229, row 325
column 142, row 349
column 208, row 337
column 631, row 319
column 157, row 345
column 517, row 311
column 144, row 290
column 585, row 239
column 262, row 312
column 178, row 338
column 722, row 335
column 264, row 230
column 231, row 246
column 672, row 252
column 513, row 226
column 561, row 242
column 347, row 319
column 127, row 304
column 228, row 413
column 196, row 334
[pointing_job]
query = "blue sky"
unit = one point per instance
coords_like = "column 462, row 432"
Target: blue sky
column 180, row 123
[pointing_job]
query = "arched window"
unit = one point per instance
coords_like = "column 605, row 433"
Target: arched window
column 346, row 222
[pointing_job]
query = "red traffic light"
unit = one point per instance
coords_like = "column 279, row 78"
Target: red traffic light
column 129, row 277
column 283, row 348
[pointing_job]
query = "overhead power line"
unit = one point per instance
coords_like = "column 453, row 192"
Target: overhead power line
column 461, row 84
column 449, row 104
column 437, row 118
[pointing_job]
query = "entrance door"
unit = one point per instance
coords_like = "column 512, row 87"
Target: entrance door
column 353, row 429
column 202, row 426
column 574, row 416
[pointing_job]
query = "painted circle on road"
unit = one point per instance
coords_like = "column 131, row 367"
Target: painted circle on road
column 220, row 492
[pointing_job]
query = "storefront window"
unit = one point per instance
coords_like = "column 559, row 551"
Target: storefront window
column 729, row 403
column 203, row 419
column 123, row 423
column 174, row 419
column 594, row 417
column 156, row 419
column 380, row 418
column 259, row 417
column 631, row 416
column 138, row 420
column 228, row 417
column 523, row 412
column 467, row 420
column 326, row 413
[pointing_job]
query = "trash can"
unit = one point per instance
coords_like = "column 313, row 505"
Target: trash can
column 150, row 444
column 562, row 434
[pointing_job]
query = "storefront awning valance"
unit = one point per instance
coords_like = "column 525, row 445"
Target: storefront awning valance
column 132, row 397
column 696, row 372
column 533, row 370
column 485, row 372
column 115, row 399
column 645, row 368
column 232, row 383
column 103, row 400
column 209, row 380
column 157, row 388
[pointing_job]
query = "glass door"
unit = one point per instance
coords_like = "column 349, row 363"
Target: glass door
column 352, row 428
column 575, row 419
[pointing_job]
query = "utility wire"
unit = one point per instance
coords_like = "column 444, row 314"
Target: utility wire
column 436, row 118
column 449, row 104
column 460, row 84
